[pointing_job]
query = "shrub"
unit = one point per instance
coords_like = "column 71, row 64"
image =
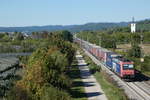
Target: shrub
column 135, row 51
column 94, row 68
column 51, row 93
column 145, row 65
column 18, row 93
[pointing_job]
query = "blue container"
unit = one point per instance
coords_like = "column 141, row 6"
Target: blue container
column 109, row 59
column 116, row 66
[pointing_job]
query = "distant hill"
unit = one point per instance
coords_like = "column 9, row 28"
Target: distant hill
column 143, row 25
column 72, row 28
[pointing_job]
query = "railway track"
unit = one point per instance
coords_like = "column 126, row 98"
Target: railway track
column 143, row 86
column 139, row 91
column 147, row 82
column 134, row 91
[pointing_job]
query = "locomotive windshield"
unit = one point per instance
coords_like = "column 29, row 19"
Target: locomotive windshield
column 128, row 66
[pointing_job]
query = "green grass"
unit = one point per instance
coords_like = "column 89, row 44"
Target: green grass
column 77, row 91
column 112, row 91
column 147, row 73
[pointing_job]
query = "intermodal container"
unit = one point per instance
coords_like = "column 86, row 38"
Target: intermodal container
column 109, row 58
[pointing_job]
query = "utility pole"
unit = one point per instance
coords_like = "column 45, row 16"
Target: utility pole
column 81, row 41
column 142, row 52
column 87, row 39
column 100, row 38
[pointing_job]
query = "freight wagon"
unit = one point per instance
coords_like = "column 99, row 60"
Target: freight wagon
column 124, row 68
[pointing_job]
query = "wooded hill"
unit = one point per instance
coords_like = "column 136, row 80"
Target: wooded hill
column 143, row 25
column 71, row 28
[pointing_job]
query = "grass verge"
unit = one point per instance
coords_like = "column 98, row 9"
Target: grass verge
column 112, row 91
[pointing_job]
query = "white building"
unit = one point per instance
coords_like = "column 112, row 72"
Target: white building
column 133, row 26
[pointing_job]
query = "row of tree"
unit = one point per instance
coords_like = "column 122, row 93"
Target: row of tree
column 18, row 43
column 117, row 37
column 45, row 76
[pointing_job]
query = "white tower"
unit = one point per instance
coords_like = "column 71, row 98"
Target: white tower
column 133, row 26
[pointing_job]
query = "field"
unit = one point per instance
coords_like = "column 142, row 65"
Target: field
column 125, row 47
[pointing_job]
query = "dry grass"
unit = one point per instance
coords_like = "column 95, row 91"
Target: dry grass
column 146, row 49
column 125, row 47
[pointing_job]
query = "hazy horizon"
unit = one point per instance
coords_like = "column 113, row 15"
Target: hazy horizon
column 65, row 25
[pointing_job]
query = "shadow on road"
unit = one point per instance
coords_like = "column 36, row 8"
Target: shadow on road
column 93, row 94
column 88, row 84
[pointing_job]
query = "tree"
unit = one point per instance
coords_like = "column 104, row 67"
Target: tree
column 2, row 35
column 135, row 39
column 135, row 51
column 145, row 65
column 18, row 36
column 6, row 38
column 67, row 36
column 108, row 41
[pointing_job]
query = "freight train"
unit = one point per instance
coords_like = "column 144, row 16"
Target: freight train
column 123, row 67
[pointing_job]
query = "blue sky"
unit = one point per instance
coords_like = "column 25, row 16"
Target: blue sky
column 67, row 12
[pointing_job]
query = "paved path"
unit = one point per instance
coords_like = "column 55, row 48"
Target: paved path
column 92, row 88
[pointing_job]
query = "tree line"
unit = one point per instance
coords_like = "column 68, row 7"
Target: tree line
column 46, row 72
